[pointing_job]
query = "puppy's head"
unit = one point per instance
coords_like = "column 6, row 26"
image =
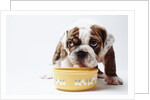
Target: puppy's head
column 85, row 44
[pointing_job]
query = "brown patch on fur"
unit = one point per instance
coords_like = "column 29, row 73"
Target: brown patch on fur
column 98, row 47
column 63, row 53
column 99, row 31
column 73, row 35
column 60, row 53
column 110, row 64
column 99, row 34
column 73, row 32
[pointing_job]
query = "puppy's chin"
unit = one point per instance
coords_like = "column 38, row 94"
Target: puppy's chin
column 89, row 61
column 85, row 64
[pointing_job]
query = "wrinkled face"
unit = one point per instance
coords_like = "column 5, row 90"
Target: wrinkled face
column 85, row 44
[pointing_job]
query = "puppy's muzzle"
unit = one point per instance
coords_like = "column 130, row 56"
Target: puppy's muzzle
column 81, row 54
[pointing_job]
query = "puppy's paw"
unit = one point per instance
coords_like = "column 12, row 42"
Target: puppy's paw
column 47, row 77
column 113, row 80
column 101, row 75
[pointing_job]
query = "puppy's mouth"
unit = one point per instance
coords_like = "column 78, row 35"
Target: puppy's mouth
column 81, row 64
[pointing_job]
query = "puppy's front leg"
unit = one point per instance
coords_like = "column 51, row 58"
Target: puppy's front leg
column 110, row 68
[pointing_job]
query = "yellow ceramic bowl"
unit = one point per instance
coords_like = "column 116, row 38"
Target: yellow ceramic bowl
column 75, row 79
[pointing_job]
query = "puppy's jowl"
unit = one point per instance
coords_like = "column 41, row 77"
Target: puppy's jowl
column 86, row 46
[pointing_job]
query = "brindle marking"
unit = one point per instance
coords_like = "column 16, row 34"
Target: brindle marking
column 109, row 63
column 99, row 34
column 60, row 53
column 73, row 35
column 97, row 49
column 73, row 32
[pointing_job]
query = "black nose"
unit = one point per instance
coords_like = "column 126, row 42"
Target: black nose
column 81, row 54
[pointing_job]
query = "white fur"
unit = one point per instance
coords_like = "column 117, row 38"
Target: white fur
column 84, row 34
column 63, row 63
column 90, row 61
column 113, row 80
column 66, row 62
column 63, row 41
column 57, row 64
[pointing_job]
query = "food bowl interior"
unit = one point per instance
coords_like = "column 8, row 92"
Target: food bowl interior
column 74, row 69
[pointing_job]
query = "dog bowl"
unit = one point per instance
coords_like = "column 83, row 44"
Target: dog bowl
column 75, row 79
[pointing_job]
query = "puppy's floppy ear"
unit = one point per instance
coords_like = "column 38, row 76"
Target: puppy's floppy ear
column 64, row 38
column 101, row 31
column 107, row 44
column 57, row 53
column 103, row 34
column 60, row 52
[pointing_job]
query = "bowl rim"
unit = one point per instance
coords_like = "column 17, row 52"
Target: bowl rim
column 74, row 69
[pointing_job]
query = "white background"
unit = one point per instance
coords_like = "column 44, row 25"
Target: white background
column 141, row 26
column 140, row 8
column 30, row 44
column 4, row 4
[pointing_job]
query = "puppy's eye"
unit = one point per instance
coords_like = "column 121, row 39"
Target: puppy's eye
column 70, row 43
column 93, row 43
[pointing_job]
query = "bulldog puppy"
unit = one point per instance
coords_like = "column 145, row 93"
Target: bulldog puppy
column 86, row 46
